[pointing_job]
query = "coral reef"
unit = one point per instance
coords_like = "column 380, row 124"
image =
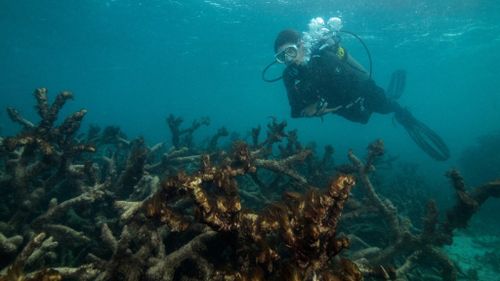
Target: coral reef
column 303, row 228
column 412, row 245
column 101, row 206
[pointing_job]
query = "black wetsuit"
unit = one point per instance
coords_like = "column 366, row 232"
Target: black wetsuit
column 332, row 77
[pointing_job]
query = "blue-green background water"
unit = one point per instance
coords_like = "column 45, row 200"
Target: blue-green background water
column 131, row 63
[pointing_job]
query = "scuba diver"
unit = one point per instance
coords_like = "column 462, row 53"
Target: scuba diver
column 321, row 77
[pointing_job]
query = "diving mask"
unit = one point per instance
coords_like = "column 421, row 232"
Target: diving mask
column 287, row 54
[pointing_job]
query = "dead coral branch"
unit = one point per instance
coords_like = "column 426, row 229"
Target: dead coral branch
column 306, row 224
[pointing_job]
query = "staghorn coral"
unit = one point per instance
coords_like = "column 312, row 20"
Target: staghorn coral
column 467, row 204
column 184, row 137
column 16, row 274
column 412, row 246
column 306, row 224
column 41, row 150
column 212, row 144
column 319, row 170
column 283, row 166
column 134, row 169
column 217, row 215
column 419, row 247
column 40, row 162
column 255, row 133
column 36, row 249
column 50, row 140
column 56, row 210
column 275, row 132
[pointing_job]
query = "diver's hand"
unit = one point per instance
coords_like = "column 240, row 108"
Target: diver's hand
column 318, row 108
column 313, row 110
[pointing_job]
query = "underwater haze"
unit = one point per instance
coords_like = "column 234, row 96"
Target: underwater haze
column 133, row 63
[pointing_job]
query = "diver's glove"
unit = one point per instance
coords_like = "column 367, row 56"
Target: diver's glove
column 319, row 108
column 316, row 109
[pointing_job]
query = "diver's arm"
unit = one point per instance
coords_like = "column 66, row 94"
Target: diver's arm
column 298, row 110
column 300, row 106
column 295, row 107
column 319, row 108
column 297, row 104
column 310, row 110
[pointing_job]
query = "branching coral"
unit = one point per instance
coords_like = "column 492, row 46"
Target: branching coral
column 385, row 207
column 422, row 246
column 296, row 238
column 467, row 204
column 9, row 245
column 184, row 137
column 217, row 215
column 283, row 166
column 134, row 169
column 56, row 210
column 35, row 250
column 222, row 132
column 41, row 156
column 50, row 140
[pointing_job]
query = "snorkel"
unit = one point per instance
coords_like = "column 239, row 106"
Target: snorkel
column 319, row 32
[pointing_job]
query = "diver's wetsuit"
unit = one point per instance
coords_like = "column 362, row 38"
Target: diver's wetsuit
column 334, row 77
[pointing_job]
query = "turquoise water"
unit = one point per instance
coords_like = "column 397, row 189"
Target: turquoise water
column 132, row 63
